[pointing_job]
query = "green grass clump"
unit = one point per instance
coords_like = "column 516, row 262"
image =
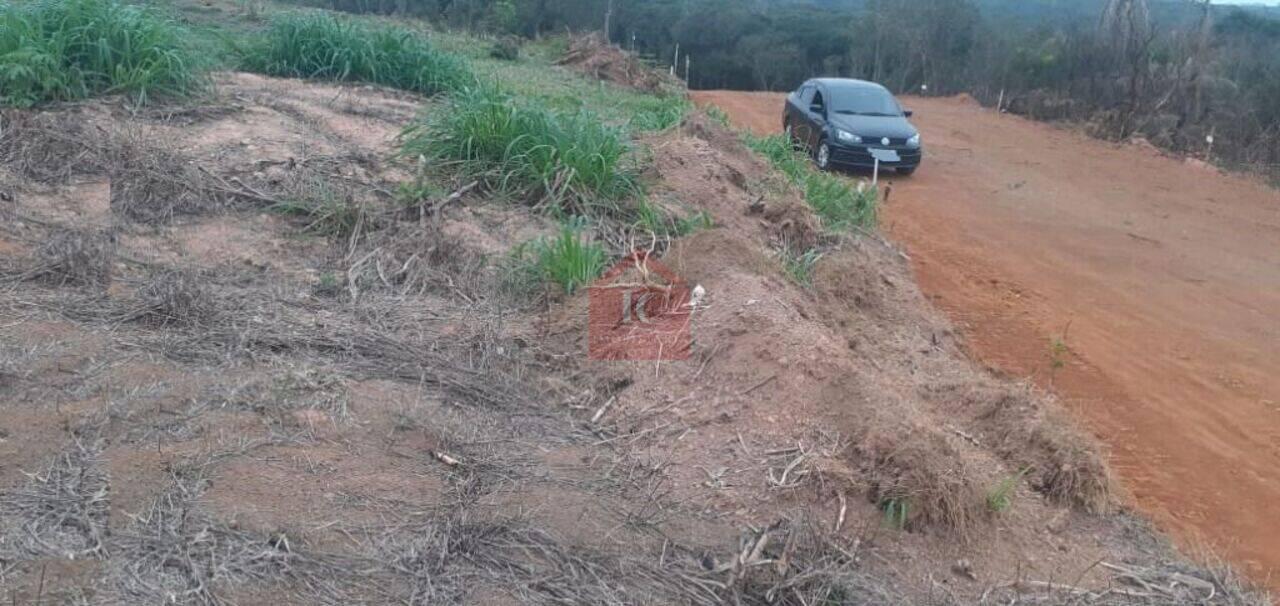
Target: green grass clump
column 569, row 259
column 897, row 512
column 799, row 265
column 653, row 219
column 536, row 78
column 321, row 46
column 1001, row 496
column 659, row 112
column 838, row 202
column 568, row 159
column 65, row 50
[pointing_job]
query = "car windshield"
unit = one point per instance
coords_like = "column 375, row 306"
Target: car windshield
column 864, row 102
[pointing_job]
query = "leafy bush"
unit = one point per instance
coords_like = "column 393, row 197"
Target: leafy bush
column 321, row 46
column 569, row 159
column 569, row 259
column 840, row 203
column 64, row 50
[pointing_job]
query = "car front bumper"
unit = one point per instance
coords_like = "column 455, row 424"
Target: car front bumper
column 858, row 156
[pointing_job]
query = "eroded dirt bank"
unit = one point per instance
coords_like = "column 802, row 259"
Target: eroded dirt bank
column 1160, row 277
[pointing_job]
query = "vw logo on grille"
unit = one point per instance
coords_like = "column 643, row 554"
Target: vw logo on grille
column 884, row 141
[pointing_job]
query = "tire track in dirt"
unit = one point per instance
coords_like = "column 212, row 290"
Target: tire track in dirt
column 1160, row 277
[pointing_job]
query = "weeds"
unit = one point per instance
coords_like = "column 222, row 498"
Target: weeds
column 1001, row 497
column 718, row 115
column 659, row 113
column 571, row 161
column 71, row 257
column 799, row 265
column 321, row 46
column 328, row 210
column 73, row 49
column 653, row 219
column 897, row 512
column 151, row 182
column 840, row 204
column 568, row 259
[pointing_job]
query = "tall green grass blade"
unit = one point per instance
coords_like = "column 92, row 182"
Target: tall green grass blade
column 65, row 50
column 322, row 46
column 570, row 159
column 840, row 204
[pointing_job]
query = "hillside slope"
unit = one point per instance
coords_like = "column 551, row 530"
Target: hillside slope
column 1161, row 277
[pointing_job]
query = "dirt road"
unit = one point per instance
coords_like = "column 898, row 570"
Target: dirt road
column 1158, row 279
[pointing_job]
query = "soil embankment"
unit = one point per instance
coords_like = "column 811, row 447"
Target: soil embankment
column 1160, row 278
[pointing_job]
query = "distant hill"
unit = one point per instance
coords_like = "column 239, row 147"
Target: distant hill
column 1058, row 11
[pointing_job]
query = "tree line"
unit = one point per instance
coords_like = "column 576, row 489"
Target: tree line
column 1187, row 75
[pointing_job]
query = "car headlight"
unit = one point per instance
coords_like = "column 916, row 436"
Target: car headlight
column 847, row 137
column 914, row 141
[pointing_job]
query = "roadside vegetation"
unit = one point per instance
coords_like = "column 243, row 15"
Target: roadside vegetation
column 322, row 46
column 75, row 49
column 1173, row 73
column 841, row 204
column 569, row 259
column 566, row 162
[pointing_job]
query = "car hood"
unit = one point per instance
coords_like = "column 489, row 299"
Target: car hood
column 895, row 127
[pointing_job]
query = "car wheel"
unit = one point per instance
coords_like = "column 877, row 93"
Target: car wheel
column 790, row 134
column 822, row 156
column 906, row 172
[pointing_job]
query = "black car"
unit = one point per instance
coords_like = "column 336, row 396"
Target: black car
column 850, row 123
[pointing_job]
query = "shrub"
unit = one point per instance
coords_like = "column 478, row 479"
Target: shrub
column 840, row 203
column 505, row 49
column 569, row 159
column 64, row 50
column 321, row 46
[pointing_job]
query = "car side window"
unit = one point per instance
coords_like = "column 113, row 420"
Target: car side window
column 817, row 100
column 805, row 94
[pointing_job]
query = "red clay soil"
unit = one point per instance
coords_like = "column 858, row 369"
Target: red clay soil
column 1161, row 277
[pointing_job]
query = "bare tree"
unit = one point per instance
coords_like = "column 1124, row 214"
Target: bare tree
column 1127, row 26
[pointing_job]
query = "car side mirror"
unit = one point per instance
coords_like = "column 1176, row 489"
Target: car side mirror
column 818, row 109
column 907, row 113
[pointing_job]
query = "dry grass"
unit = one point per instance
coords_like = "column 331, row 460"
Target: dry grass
column 68, row 257
column 47, row 147
column 176, row 298
column 1065, row 464
column 257, row 328
column 175, row 552
column 1167, row 584
column 152, row 182
column 61, row 512
column 919, row 479
column 417, row 260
